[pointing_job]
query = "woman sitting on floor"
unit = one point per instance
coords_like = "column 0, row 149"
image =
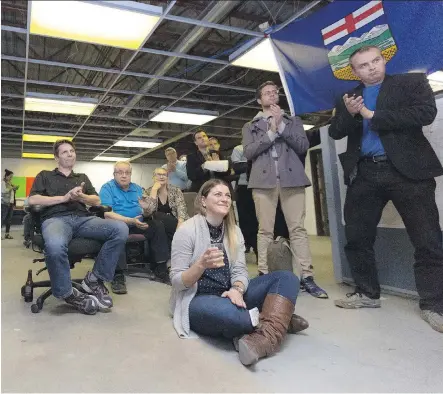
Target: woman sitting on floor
column 165, row 202
column 211, row 293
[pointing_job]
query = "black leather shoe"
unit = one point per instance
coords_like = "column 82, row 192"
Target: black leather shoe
column 118, row 285
column 312, row 288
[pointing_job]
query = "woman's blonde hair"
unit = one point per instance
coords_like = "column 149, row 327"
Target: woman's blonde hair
column 159, row 168
column 229, row 219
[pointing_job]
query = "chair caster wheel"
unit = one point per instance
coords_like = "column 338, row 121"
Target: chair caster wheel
column 35, row 308
column 29, row 298
column 27, row 294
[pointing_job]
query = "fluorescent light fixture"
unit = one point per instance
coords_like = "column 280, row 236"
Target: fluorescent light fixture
column 437, row 76
column 308, row 127
column 185, row 116
column 29, row 155
column 123, row 24
column 436, row 86
column 44, row 138
column 59, row 104
column 110, row 158
column 258, row 54
column 137, row 144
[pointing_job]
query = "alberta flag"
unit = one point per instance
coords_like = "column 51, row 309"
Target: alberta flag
column 313, row 53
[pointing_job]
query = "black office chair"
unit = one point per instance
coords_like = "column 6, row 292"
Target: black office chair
column 78, row 249
column 137, row 257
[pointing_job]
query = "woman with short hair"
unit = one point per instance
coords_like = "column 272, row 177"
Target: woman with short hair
column 211, row 293
column 165, row 202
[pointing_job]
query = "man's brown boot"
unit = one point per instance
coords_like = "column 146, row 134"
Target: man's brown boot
column 266, row 339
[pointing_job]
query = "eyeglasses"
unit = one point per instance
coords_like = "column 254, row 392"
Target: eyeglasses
column 120, row 173
column 160, row 174
column 270, row 93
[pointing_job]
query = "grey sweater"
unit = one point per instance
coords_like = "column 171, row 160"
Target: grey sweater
column 7, row 193
column 190, row 241
column 275, row 153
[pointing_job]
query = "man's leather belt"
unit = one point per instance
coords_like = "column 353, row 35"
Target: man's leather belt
column 375, row 159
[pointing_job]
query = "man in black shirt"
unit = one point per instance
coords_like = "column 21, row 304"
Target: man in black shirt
column 214, row 148
column 194, row 166
column 64, row 195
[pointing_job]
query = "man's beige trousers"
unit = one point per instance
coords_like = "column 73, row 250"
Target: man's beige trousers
column 292, row 201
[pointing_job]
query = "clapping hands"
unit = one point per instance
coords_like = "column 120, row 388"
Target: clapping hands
column 76, row 193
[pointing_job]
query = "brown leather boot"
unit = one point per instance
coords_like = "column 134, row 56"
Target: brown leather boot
column 266, row 339
column 297, row 324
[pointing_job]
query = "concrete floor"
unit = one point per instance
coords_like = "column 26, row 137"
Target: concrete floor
column 135, row 349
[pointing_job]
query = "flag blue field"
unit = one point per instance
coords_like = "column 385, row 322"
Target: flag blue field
column 313, row 52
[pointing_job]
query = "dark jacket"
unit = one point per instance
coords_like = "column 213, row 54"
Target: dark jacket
column 197, row 175
column 405, row 104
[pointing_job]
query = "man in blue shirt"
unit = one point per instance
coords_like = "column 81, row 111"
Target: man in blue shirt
column 389, row 158
column 123, row 197
column 177, row 175
column 370, row 143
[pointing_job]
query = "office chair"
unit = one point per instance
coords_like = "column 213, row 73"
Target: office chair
column 78, row 249
column 137, row 257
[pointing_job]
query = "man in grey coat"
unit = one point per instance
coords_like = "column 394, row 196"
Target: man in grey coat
column 273, row 142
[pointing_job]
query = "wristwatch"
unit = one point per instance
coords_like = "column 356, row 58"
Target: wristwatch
column 239, row 289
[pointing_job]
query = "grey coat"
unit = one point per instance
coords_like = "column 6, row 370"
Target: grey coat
column 289, row 143
column 190, row 241
column 7, row 193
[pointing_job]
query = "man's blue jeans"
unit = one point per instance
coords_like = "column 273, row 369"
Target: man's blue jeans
column 59, row 231
column 215, row 316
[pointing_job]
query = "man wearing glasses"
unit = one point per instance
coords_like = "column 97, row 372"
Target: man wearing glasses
column 123, row 196
column 273, row 142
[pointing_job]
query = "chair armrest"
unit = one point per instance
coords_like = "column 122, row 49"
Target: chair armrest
column 99, row 210
column 34, row 208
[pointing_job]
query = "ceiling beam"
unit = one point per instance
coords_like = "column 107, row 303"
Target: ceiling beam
column 50, row 130
column 133, row 56
column 28, row 23
column 14, row 29
column 151, row 109
column 248, row 17
column 127, row 92
column 181, row 19
column 51, row 121
column 131, row 73
column 217, row 26
column 183, row 56
column 152, row 51
column 13, row 108
column 213, row 13
column 298, row 14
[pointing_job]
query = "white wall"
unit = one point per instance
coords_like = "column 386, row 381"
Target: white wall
column 101, row 172
column 310, row 222
column 98, row 172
